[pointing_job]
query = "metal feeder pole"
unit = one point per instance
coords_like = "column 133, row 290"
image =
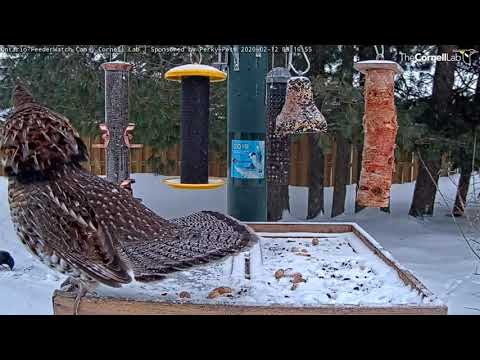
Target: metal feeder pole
column 247, row 187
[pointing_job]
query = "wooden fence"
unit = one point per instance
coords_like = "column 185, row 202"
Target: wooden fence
column 166, row 162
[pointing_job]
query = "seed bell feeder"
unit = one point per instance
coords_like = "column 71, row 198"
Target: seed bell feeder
column 380, row 128
column 195, row 79
column 299, row 114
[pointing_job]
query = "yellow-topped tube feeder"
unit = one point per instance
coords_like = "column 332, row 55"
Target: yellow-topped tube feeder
column 195, row 80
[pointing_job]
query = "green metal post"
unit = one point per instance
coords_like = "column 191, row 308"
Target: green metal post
column 247, row 186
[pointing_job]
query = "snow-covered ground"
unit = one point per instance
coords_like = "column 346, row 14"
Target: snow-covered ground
column 432, row 249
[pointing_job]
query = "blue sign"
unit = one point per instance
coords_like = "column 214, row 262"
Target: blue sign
column 248, row 159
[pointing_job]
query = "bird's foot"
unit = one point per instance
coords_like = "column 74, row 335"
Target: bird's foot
column 81, row 292
column 72, row 285
column 69, row 285
column 83, row 287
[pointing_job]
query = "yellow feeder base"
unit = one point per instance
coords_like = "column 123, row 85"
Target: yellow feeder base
column 213, row 183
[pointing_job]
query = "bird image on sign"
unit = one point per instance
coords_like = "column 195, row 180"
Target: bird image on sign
column 248, row 159
column 92, row 230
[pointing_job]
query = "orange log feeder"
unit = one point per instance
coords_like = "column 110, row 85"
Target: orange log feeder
column 380, row 128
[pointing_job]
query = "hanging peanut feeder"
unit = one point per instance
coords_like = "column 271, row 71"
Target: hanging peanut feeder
column 195, row 79
column 299, row 114
column 380, row 129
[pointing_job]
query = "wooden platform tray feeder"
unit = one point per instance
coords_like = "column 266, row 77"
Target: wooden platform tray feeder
column 95, row 305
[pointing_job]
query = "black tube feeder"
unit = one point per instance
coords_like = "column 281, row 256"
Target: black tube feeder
column 195, row 80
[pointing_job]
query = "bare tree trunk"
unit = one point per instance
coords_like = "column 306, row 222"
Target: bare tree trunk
column 425, row 189
column 387, row 208
column 317, row 159
column 316, row 178
column 358, row 207
column 342, row 160
column 462, row 191
column 364, row 53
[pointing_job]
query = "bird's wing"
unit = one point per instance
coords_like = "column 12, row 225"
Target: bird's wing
column 63, row 221
column 153, row 245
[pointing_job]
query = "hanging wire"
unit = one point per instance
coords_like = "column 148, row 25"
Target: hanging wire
column 273, row 58
column 290, row 61
column 380, row 55
column 473, row 160
column 199, row 57
column 286, row 65
column 286, row 60
column 219, row 57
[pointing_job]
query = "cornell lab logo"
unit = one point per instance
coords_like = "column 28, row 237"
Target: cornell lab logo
column 466, row 55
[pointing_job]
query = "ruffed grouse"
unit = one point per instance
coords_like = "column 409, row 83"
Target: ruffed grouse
column 90, row 229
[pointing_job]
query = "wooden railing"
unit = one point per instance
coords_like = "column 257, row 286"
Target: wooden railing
column 166, row 162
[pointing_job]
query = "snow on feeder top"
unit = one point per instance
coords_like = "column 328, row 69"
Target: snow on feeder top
column 380, row 128
column 299, row 114
column 195, row 79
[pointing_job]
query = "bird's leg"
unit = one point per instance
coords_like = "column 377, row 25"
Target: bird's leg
column 248, row 269
column 81, row 292
column 231, row 267
column 77, row 286
column 261, row 249
column 83, row 287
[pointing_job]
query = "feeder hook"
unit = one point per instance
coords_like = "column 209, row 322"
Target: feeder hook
column 290, row 62
column 198, row 57
column 380, row 55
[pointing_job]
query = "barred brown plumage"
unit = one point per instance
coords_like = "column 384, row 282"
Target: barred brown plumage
column 91, row 229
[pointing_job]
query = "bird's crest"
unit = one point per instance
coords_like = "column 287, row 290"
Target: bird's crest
column 35, row 139
column 21, row 95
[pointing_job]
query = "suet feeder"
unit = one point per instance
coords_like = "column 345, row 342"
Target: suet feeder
column 380, row 129
column 299, row 114
column 195, row 79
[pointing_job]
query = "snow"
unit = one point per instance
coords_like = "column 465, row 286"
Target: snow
column 28, row 289
column 333, row 274
column 432, row 249
column 4, row 114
